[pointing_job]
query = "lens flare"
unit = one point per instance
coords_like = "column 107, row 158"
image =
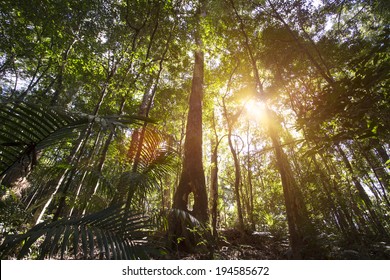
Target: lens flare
column 256, row 110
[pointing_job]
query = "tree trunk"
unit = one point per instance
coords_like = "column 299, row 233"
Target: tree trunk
column 192, row 179
column 66, row 178
column 250, row 185
column 363, row 195
column 230, row 120
column 300, row 227
column 214, row 181
column 237, row 183
column 346, row 227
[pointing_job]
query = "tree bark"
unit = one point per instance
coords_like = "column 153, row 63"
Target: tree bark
column 299, row 224
column 192, row 178
column 364, row 196
column 237, row 169
column 250, row 185
column 214, row 181
column 300, row 227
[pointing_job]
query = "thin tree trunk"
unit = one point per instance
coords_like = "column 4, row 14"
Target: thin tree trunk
column 85, row 173
column 342, row 221
column 214, row 180
column 237, row 168
column 72, row 161
column 380, row 173
column 363, row 195
column 65, row 179
column 237, row 183
column 136, row 144
column 251, row 190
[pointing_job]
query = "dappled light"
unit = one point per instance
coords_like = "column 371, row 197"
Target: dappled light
column 204, row 130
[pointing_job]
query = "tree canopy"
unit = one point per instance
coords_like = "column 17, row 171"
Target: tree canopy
column 260, row 124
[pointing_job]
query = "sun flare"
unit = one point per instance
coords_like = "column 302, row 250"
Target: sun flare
column 256, row 110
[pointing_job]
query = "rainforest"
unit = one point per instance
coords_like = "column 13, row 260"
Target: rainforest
column 195, row 129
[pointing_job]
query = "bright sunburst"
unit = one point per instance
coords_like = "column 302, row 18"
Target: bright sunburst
column 256, row 110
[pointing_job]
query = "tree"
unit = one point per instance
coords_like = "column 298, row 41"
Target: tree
column 128, row 103
column 192, row 178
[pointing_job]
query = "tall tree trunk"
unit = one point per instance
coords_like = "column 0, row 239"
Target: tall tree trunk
column 300, row 226
column 95, row 147
column 250, row 185
column 137, row 138
column 363, row 195
column 237, row 168
column 65, row 180
column 192, row 178
column 237, row 182
column 214, row 180
column 102, row 159
column 341, row 219
column 383, row 178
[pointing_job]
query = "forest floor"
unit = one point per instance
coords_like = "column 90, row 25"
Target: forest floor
column 233, row 245
column 256, row 246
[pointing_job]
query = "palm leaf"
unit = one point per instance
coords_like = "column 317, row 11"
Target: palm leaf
column 26, row 128
column 156, row 160
column 102, row 233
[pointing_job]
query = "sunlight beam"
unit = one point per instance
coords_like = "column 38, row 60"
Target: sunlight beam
column 256, row 110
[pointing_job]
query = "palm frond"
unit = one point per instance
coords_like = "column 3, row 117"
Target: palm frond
column 103, row 235
column 156, row 160
column 26, row 128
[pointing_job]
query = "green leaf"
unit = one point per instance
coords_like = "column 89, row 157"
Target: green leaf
column 105, row 225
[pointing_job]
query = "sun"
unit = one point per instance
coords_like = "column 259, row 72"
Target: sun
column 255, row 110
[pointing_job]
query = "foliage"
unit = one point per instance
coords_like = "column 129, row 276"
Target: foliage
column 186, row 233
column 28, row 128
column 79, row 81
column 108, row 234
